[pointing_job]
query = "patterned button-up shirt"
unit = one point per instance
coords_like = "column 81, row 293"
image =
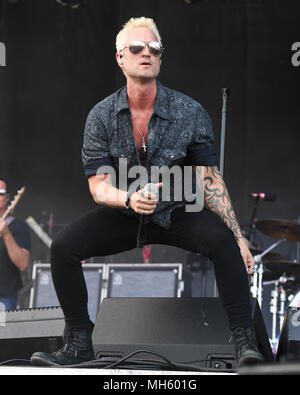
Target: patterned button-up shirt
column 180, row 133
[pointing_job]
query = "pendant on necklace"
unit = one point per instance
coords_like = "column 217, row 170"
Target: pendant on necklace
column 144, row 146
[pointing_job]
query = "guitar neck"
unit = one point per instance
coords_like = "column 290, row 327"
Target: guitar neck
column 12, row 206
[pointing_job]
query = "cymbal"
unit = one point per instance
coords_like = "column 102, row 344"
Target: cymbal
column 290, row 268
column 270, row 256
column 279, row 229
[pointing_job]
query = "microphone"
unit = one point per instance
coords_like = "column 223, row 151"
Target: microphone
column 152, row 188
column 141, row 235
column 266, row 196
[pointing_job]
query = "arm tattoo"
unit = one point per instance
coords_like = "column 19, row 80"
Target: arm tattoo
column 217, row 199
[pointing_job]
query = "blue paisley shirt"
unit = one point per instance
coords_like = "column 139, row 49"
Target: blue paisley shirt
column 180, row 133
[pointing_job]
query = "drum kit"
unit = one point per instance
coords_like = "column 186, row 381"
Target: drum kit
column 273, row 268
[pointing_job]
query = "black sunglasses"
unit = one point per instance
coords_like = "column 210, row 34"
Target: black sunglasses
column 3, row 192
column 136, row 47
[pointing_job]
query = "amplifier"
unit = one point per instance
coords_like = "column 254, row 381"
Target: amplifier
column 23, row 332
column 43, row 293
column 144, row 280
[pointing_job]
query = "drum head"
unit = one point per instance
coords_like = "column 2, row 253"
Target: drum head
column 295, row 302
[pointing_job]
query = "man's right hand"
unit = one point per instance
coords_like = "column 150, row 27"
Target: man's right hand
column 144, row 204
column 3, row 228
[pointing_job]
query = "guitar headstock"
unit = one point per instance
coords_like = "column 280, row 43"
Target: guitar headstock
column 20, row 192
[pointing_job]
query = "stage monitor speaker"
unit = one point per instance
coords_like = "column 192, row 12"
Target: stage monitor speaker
column 43, row 293
column 184, row 330
column 23, row 332
column 144, row 280
column 289, row 341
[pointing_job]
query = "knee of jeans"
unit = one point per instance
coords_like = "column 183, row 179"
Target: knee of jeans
column 60, row 248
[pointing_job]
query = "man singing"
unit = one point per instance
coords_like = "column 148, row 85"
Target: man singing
column 14, row 253
column 146, row 124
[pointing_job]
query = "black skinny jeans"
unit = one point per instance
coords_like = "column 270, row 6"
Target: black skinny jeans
column 107, row 231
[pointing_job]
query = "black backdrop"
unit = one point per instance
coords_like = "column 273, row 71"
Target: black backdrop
column 60, row 62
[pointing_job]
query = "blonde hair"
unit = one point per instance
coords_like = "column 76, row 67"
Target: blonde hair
column 135, row 22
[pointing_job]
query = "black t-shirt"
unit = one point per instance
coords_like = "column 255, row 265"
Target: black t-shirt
column 10, row 275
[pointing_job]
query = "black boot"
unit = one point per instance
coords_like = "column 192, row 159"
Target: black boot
column 246, row 351
column 78, row 349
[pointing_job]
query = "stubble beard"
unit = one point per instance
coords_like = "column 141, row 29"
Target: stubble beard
column 145, row 76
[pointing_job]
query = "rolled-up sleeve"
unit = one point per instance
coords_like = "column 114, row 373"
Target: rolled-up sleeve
column 201, row 151
column 95, row 153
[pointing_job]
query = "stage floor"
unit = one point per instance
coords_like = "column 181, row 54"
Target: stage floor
column 292, row 368
column 27, row 370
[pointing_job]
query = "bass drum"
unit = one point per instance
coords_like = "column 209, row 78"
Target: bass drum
column 295, row 302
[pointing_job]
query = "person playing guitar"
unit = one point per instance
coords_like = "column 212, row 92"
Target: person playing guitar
column 14, row 250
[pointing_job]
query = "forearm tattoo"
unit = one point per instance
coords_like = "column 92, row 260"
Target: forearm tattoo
column 217, row 199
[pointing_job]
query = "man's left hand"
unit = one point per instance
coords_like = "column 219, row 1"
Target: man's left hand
column 247, row 256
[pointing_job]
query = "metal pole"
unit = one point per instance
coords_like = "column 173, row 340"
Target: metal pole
column 226, row 93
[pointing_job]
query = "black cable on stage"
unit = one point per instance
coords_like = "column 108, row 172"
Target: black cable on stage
column 139, row 364
column 144, row 364
column 139, row 352
column 170, row 364
column 108, row 364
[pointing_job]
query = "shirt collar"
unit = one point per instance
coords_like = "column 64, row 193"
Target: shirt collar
column 122, row 103
column 161, row 107
column 162, row 103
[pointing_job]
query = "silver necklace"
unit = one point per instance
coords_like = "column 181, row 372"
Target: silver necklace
column 144, row 145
